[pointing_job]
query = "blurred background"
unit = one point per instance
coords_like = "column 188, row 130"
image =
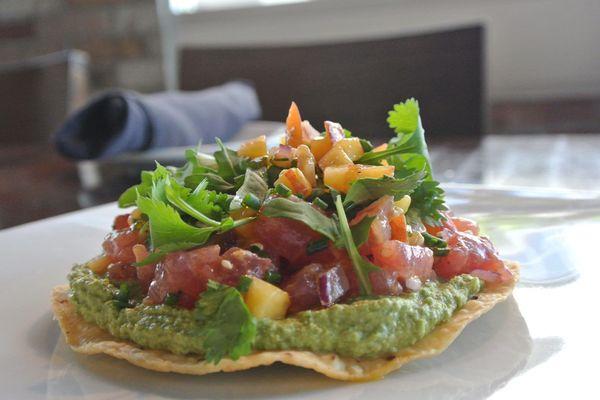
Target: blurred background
column 509, row 90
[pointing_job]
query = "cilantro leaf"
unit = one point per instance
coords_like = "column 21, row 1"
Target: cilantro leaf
column 362, row 267
column 199, row 204
column 304, row 212
column 145, row 188
column 404, row 117
column 408, row 153
column 167, row 227
column 369, row 189
column 226, row 325
column 428, row 202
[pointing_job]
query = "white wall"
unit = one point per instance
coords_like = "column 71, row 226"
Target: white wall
column 535, row 48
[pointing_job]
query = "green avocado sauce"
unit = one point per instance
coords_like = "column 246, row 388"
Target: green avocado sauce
column 363, row 329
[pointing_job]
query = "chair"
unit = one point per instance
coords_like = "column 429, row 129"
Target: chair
column 356, row 83
column 36, row 95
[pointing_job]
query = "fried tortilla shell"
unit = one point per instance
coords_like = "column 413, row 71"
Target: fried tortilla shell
column 87, row 338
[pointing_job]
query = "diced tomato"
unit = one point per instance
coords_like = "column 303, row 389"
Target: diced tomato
column 406, row 260
column 121, row 222
column 398, row 224
column 118, row 245
column 469, row 253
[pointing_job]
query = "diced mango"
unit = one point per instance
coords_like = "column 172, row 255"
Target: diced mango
column 320, row 146
column 351, row 147
column 374, row 171
column 335, row 156
column 295, row 180
column 403, row 203
column 340, row 177
column 306, row 164
column 381, row 147
column 99, row 264
column 293, row 125
column 254, row 148
column 266, row 301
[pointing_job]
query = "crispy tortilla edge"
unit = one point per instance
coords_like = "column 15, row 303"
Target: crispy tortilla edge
column 84, row 337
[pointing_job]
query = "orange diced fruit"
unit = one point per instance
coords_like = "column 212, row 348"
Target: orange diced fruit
column 295, row 180
column 375, row 171
column 293, row 125
column 341, row 177
column 265, row 300
column 254, row 148
column 351, row 147
column 403, row 203
column 320, row 146
column 398, row 225
column 381, row 147
column 335, row 156
column 306, row 163
column 99, row 264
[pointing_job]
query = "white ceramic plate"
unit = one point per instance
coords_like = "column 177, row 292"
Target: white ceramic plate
column 541, row 343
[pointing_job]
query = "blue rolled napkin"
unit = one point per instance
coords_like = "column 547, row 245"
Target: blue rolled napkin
column 120, row 121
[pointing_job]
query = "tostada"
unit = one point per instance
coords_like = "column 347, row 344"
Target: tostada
column 323, row 252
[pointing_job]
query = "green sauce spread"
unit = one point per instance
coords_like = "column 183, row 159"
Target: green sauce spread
column 363, row 329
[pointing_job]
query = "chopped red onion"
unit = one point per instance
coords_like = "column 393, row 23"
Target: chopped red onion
column 413, row 283
column 332, row 285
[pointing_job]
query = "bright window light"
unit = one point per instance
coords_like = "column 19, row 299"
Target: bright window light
column 191, row 6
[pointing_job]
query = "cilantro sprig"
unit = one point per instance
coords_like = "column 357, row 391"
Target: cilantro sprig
column 225, row 323
column 408, row 153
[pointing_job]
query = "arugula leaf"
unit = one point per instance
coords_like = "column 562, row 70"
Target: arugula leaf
column 226, row 325
column 369, row 189
column 167, row 227
column 360, row 232
column 230, row 165
column 304, row 212
column 254, row 184
column 361, row 266
column 215, row 182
